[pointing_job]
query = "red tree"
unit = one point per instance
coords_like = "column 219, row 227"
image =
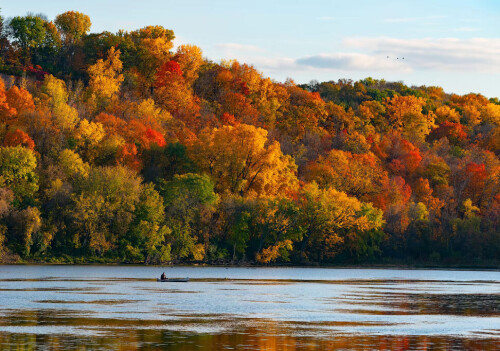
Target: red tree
column 18, row 137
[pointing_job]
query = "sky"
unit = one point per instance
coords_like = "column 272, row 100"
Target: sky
column 450, row 43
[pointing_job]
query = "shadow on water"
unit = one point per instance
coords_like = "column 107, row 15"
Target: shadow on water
column 389, row 303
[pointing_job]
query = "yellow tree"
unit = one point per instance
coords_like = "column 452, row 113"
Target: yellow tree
column 55, row 96
column 157, row 40
column 405, row 114
column 18, row 171
column 329, row 217
column 154, row 44
column 339, row 119
column 470, row 106
column 89, row 136
column 73, row 25
column 105, row 78
column 269, row 100
column 241, row 160
column 72, row 165
column 190, row 58
column 372, row 113
column 303, row 111
column 150, row 113
column 446, row 113
column 491, row 114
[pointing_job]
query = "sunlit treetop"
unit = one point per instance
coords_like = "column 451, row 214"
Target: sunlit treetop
column 73, row 25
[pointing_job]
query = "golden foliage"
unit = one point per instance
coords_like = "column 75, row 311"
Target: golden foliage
column 190, row 58
column 73, row 25
column 55, row 96
column 241, row 160
column 105, row 76
column 271, row 253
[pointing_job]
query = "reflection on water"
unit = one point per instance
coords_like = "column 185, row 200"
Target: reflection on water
column 267, row 336
column 124, row 308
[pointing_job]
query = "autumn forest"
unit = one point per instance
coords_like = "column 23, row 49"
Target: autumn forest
column 120, row 147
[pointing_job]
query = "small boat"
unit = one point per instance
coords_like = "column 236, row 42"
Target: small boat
column 182, row 280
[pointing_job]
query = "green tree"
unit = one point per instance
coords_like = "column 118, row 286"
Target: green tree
column 18, row 172
column 146, row 238
column 165, row 162
column 187, row 197
column 6, row 199
column 104, row 208
column 24, row 226
column 73, row 166
column 28, row 32
column 328, row 216
column 276, row 227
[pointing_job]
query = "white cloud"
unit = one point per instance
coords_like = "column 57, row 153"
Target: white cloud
column 274, row 63
column 352, row 61
column 446, row 54
column 471, row 64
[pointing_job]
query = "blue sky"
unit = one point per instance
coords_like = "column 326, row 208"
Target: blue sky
column 453, row 44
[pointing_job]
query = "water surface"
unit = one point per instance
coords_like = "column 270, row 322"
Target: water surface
column 124, row 308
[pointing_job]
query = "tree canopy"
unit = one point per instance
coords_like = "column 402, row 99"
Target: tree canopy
column 119, row 147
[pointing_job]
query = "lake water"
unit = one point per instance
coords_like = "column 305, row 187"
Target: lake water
column 124, row 308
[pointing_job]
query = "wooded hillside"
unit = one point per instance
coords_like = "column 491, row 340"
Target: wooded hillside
column 118, row 147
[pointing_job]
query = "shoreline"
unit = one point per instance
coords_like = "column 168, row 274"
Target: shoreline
column 416, row 266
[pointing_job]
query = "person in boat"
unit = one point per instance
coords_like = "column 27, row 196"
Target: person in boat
column 163, row 276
